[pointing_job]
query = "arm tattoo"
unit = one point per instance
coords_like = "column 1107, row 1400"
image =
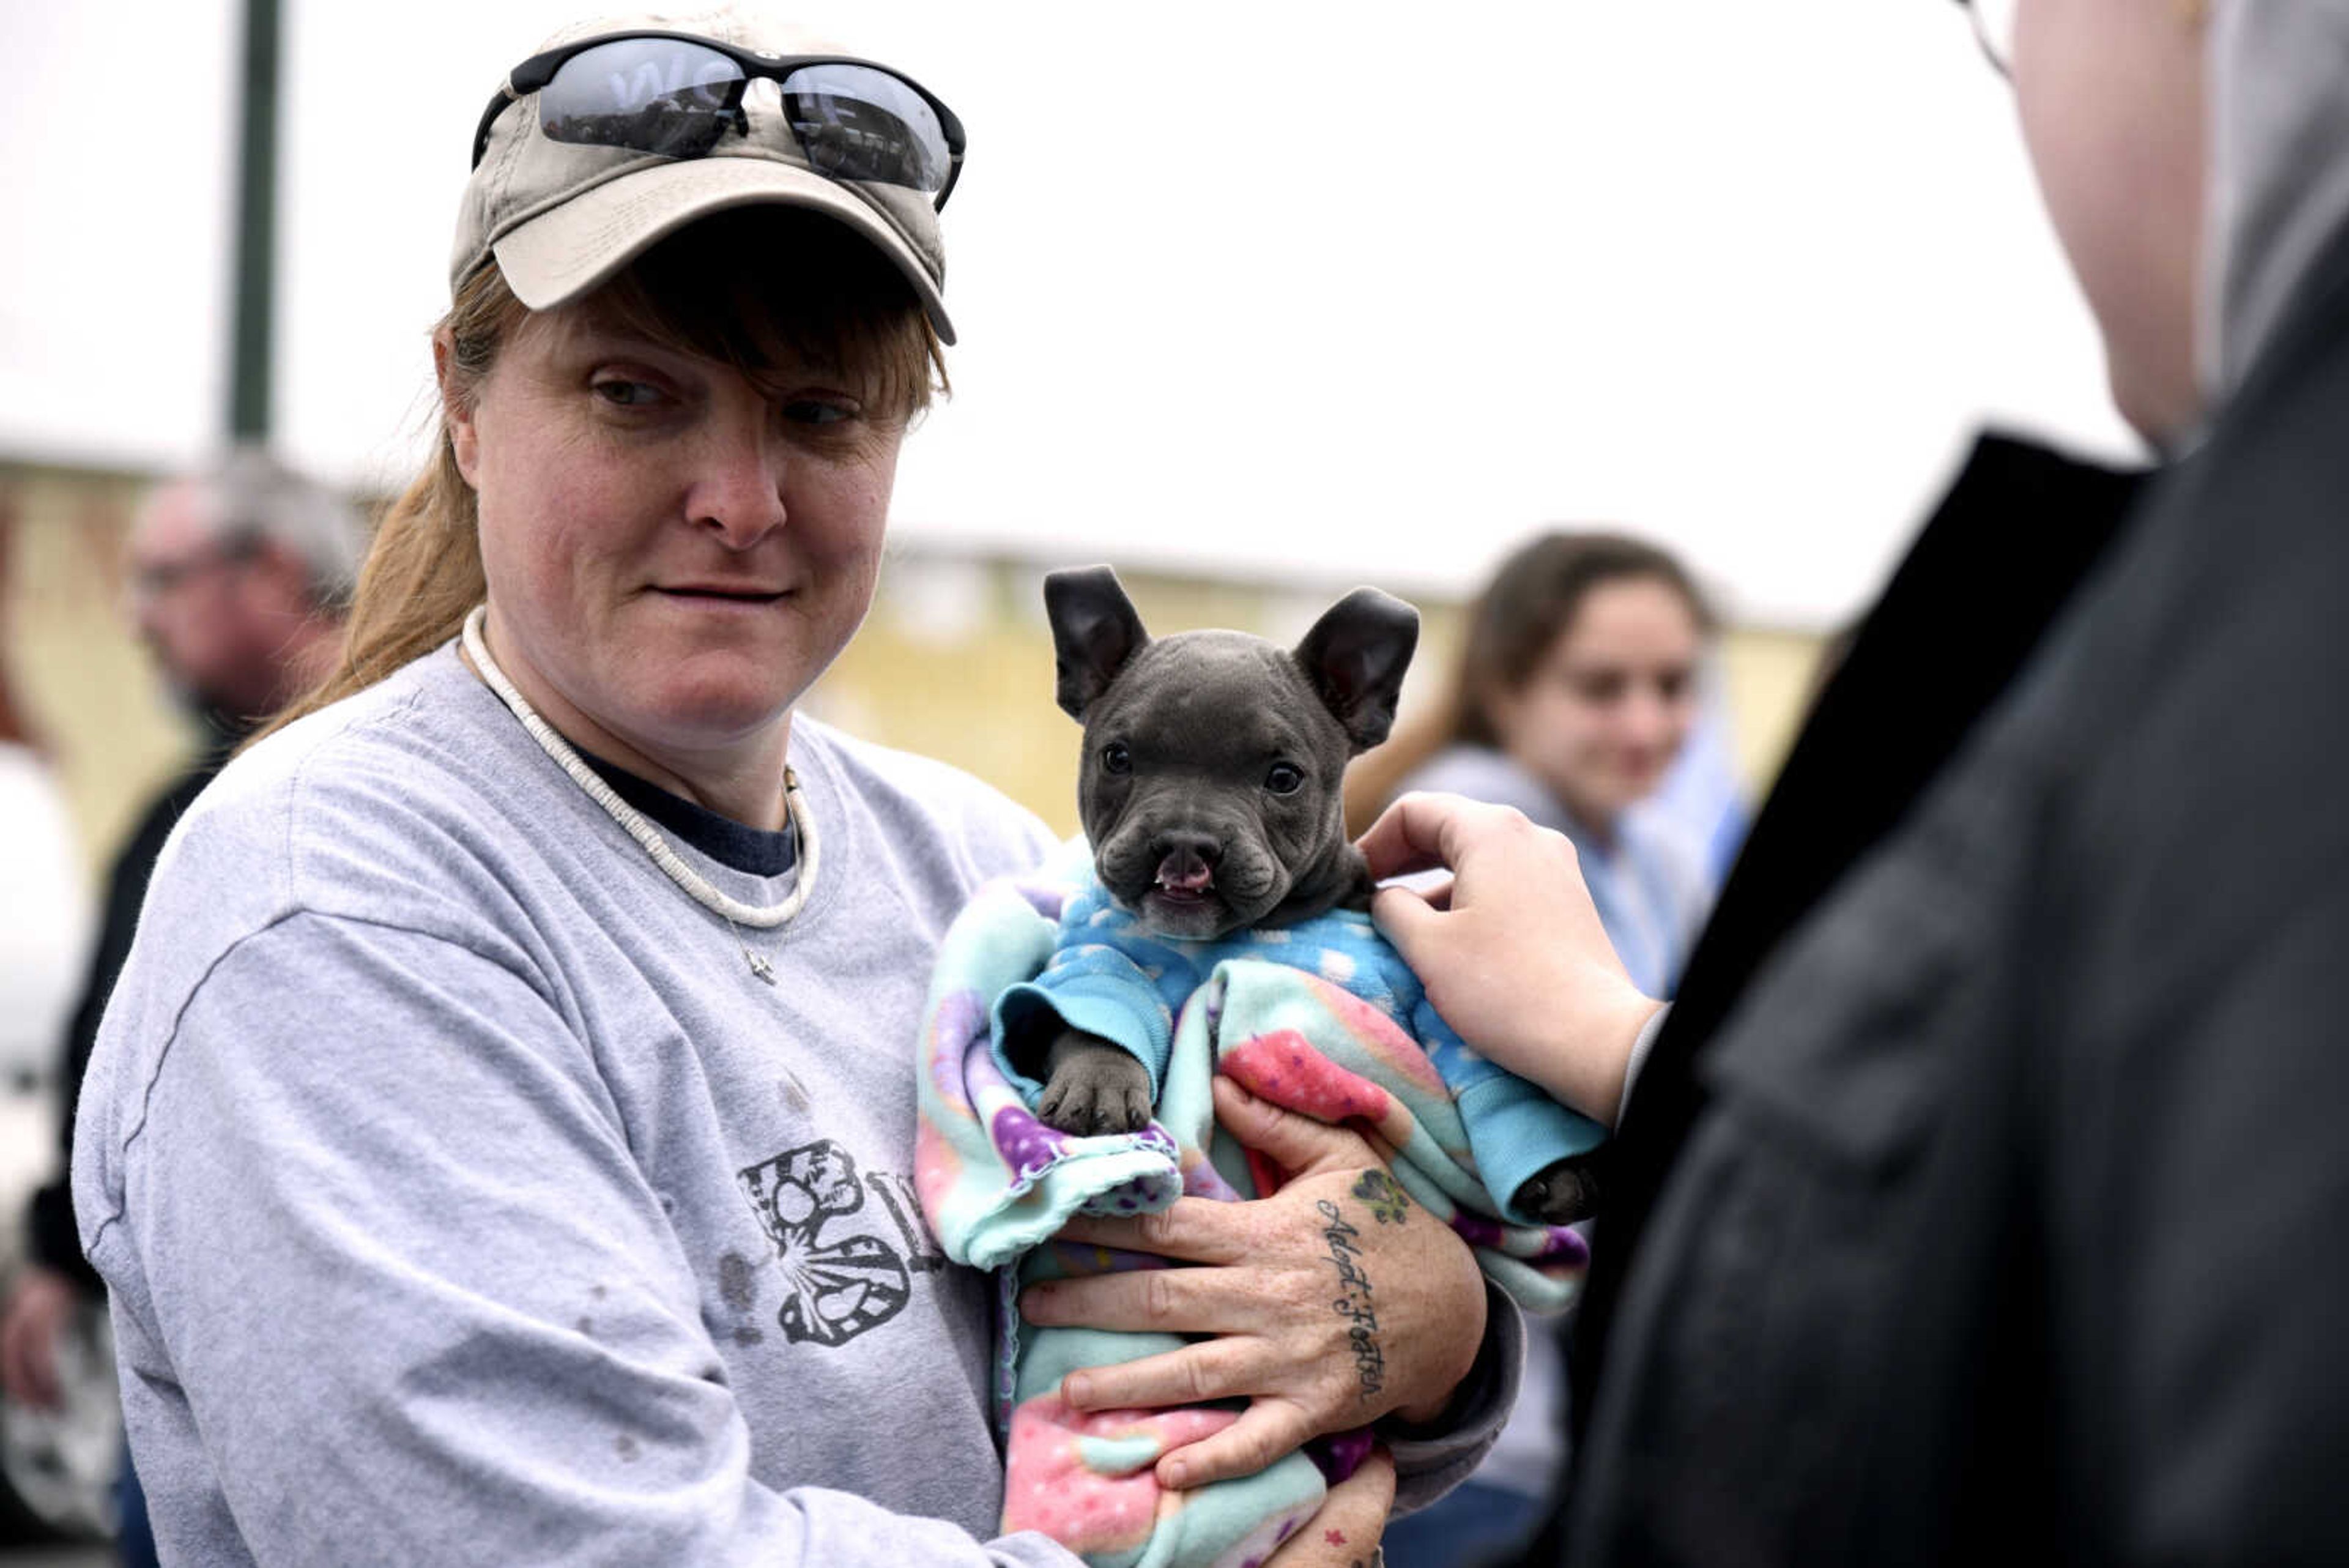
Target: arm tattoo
column 1354, row 1302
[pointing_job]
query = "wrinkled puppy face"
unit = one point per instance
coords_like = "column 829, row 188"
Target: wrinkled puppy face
column 1211, row 776
column 1214, row 760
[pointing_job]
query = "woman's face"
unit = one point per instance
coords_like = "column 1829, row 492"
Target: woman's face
column 1607, row 708
column 673, row 554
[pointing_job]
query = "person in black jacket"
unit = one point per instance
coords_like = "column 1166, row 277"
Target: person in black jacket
column 237, row 582
column 1984, row 1193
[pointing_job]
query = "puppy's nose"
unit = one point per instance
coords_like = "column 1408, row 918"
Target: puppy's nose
column 1187, row 861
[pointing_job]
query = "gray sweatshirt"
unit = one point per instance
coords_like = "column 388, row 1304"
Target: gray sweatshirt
column 465, row 1198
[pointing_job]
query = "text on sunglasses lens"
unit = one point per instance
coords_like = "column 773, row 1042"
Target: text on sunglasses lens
column 676, row 97
column 654, row 95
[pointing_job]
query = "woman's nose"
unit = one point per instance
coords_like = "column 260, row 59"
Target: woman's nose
column 739, row 494
column 1651, row 718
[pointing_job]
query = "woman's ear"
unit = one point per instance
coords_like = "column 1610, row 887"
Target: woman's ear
column 456, row 407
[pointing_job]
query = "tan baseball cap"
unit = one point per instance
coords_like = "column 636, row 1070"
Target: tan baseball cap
column 562, row 218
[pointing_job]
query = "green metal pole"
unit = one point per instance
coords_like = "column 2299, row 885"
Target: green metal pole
column 256, row 228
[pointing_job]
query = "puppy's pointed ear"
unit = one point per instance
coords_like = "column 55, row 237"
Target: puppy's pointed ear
column 1095, row 632
column 1355, row 657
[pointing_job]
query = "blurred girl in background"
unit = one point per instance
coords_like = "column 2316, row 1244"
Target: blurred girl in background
column 1577, row 690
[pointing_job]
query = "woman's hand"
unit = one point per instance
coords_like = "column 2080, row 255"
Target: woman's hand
column 1332, row 1302
column 1344, row 1532
column 1511, row 951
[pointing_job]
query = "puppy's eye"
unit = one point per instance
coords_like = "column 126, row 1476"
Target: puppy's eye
column 1116, row 760
column 1286, row 778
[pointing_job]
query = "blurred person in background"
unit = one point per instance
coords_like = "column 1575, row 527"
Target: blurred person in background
column 499, row 1142
column 237, row 581
column 1576, row 693
column 1984, row 1191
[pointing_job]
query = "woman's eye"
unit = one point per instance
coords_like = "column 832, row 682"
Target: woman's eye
column 1116, row 760
column 1602, row 690
column 626, row 394
column 1286, row 778
column 808, row 412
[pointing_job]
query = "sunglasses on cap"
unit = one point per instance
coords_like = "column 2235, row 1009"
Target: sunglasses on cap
column 676, row 94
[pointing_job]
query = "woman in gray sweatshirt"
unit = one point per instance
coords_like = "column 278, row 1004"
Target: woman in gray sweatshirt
column 499, row 1145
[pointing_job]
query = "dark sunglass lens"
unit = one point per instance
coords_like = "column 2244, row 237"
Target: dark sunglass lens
column 857, row 123
column 654, row 95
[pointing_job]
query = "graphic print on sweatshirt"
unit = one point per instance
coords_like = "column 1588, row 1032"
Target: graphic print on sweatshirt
column 835, row 1290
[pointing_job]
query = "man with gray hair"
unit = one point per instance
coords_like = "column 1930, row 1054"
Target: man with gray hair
column 237, row 580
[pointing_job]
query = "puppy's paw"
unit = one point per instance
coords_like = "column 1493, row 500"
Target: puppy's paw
column 1559, row 1194
column 1095, row 1088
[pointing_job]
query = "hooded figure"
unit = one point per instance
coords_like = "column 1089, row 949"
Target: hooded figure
column 1988, row 1173
column 2278, row 192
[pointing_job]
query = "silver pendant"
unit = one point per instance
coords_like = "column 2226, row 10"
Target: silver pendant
column 759, row 966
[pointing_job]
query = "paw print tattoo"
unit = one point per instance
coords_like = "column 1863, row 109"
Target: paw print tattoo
column 1385, row 1195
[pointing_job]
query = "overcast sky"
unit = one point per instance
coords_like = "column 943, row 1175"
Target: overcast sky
column 1323, row 292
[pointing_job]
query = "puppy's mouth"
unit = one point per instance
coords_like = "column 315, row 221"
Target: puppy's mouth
column 1181, row 897
column 1184, row 879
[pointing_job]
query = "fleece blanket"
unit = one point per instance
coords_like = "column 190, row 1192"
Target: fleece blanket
column 997, row 1185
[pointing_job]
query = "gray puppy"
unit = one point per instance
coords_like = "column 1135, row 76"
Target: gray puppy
column 1210, row 790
